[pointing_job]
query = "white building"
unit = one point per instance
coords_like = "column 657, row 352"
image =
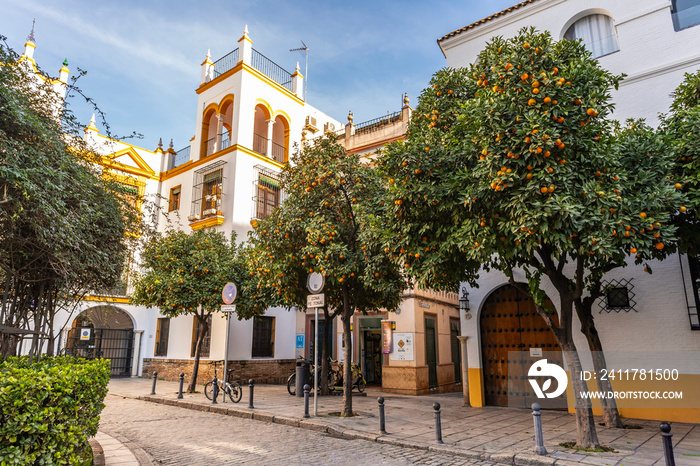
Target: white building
column 654, row 43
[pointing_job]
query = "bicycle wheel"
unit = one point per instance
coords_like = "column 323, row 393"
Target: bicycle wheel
column 332, row 380
column 361, row 385
column 208, row 391
column 235, row 392
column 292, row 384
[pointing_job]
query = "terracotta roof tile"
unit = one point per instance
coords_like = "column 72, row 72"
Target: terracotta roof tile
column 485, row 20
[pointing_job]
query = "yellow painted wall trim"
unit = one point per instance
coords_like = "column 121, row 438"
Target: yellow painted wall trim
column 236, row 147
column 476, row 387
column 242, row 66
column 207, row 222
column 36, row 70
column 126, row 143
column 108, row 299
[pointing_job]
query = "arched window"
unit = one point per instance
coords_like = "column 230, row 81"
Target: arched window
column 209, row 127
column 597, row 33
column 226, row 125
column 260, row 129
column 685, row 13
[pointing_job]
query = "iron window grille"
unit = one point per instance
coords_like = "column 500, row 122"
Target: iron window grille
column 618, row 296
column 207, row 192
column 175, row 198
column 267, row 192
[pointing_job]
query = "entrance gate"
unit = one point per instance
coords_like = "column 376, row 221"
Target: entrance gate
column 510, row 322
column 107, row 343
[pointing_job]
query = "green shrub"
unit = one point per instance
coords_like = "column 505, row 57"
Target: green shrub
column 49, row 409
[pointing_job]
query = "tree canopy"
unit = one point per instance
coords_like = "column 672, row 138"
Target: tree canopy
column 325, row 226
column 63, row 223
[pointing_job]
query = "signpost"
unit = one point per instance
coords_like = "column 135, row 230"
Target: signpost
column 228, row 295
column 314, row 283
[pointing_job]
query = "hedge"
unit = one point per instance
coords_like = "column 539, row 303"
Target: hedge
column 49, row 409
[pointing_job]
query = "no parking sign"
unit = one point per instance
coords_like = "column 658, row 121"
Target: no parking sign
column 85, row 333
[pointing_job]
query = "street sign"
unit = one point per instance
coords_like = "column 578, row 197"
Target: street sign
column 315, row 282
column 228, row 308
column 300, row 341
column 229, row 293
column 316, row 300
column 85, row 333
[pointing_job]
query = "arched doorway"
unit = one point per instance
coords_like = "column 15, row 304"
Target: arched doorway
column 103, row 332
column 509, row 322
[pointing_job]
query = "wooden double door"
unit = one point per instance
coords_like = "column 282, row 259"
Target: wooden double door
column 510, row 323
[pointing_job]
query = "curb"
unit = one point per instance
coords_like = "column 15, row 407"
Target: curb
column 316, row 425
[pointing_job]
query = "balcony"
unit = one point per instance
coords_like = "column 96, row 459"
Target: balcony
column 258, row 61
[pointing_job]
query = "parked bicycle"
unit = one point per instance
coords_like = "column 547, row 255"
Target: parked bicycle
column 292, row 380
column 358, row 380
column 232, row 389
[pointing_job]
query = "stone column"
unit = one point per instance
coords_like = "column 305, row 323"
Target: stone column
column 465, row 369
column 219, row 128
column 137, row 352
column 270, row 127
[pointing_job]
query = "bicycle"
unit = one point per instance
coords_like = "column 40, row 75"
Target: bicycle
column 233, row 390
column 292, row 380
column 358, row 380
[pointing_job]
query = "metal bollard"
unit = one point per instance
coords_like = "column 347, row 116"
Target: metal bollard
column 382, row 424
column 307, row 388
column 438, row 424
column 539, row 439
column 155, row 377
column 250, row 400
column 215, row 390
column 668, row 444
column 182, row 380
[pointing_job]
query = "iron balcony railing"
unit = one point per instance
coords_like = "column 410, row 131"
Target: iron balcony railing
column 225, row 63
column 210, row 146
column 181, row 156
column 271, row 69
column 260, row 144
column 225, row 141
column 377, row 123
column 278, row 152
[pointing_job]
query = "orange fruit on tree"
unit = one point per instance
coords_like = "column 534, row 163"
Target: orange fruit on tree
column 543, row 189
column 659, row 246
column 531, row 102
column 547, row 100
column 526, row 45
column 683, row 208
column 678, row 186
column 633, row 250
column 643, row 214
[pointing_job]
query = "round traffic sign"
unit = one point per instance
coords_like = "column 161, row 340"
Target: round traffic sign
column 315, row 282
column 229, row 293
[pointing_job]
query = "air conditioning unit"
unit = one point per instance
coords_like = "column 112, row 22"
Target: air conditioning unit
column 328, row 127
column 311, row 124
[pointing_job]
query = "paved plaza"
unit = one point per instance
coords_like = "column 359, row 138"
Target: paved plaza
column 160, row 423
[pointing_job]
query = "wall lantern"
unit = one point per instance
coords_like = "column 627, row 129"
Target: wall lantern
column 464, row 300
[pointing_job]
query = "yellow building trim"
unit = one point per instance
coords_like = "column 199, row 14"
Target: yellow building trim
column 142, row 168
column 242, row 66
column 245, row 37
column 208, row 60
column 477, row 397
column 36, row 70
column 126, row 144
column 207, row 222
column 284, row 115
column 108, row 299
column 267, row 107
column 296, row 73
column 227, row 98
column 185, row 167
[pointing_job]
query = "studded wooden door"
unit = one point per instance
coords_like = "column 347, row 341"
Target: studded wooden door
column 510, row 322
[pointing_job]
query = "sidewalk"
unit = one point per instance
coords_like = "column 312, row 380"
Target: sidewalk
column 502, row 435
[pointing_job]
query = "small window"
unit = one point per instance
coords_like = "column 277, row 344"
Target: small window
column 162, row 334
column 685, row 13
column 206, row 343
column 597, row 33
column 267, row 192
column 263, row 337
column 618, row 298
column 207, row 192
column 175, row 198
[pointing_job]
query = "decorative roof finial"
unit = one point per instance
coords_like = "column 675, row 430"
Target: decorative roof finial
column 30, row 37
column 405, row 99
column 297, row 68
column 160, row 143
column 208, row 54
column 350, row 117
column 171, row 143
column 65, row 62
column 245, row 30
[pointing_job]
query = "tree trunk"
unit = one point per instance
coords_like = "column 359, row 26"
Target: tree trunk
column 586, row 434
column 611, row 415
column 347, row 366
column 203, row 329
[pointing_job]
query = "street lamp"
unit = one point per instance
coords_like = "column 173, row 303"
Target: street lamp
column 464, row 300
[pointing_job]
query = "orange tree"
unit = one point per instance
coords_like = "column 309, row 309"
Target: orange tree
column 184, row 274
column 324, row 226
column 681, row 128
column 513, row 165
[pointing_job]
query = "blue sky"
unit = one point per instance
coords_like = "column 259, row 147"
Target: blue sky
column 143, row 57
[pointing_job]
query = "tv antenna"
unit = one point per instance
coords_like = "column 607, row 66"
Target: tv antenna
column 304, row 49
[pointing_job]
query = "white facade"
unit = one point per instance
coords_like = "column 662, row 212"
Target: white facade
column 652, row 54
column 663, row 323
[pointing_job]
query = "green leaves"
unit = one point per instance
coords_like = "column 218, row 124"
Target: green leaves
column 49, row 409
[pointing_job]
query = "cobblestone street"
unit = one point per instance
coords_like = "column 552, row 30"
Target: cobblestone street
column 172, row 435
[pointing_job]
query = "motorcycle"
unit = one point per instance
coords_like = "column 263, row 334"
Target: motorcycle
column 358, row 380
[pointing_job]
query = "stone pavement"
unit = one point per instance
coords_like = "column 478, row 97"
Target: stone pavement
column 503, row 435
